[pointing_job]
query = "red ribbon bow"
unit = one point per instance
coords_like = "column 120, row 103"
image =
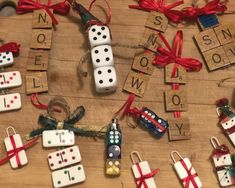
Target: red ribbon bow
column 173, row 55
column 221, row 150
column 212, row 7
column 160, row 6
column 10, row 47
column 141, row 180
column 25, row 6
column 190, row 177
column 15, row 151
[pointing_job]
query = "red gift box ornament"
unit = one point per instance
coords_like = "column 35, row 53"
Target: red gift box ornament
column 11, row 47
column 26, row 6
column 173, row 54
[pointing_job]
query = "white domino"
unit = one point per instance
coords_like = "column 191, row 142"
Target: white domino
column 182, row 173
column 63, row 158
column 145, row 170
column 10, row 79
column 229, row 123
column 68, row 176
column 6, row 59
column 10, row 102
column 21, row 155
column 57, row 138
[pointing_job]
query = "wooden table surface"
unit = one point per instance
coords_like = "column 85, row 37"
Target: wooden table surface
column 69, row 44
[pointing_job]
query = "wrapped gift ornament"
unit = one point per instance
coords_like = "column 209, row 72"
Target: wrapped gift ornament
column 226, row 119
column 142, row 172
column 223, row 163
column 186, row 173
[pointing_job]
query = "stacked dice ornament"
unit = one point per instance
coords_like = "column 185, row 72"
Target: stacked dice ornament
column 187, row 174
column 222, row 163
column 226, row 119
column 142, row 172
column 113, row 149
column 15, row 149
column 101, row 51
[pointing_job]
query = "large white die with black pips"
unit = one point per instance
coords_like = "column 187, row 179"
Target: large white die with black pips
column 105, row 79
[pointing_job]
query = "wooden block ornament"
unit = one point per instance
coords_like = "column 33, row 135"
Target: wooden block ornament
column 157, row 21
column 41, row 39
column 36, row 83
column 41, row 19
column 38, row 60
column 185, row 171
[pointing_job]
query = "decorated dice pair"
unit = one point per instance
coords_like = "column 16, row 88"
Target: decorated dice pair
column 102, row 59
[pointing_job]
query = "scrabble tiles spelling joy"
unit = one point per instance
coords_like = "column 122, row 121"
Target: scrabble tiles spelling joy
column 36, row 82
column 38, row 60
column 10, row 102
column 180, row 76
column 10, row 79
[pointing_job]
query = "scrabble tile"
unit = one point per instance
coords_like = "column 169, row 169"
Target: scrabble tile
column 179, row 129
column 10, row 102
column 21, row 155
column 157, row 21
column 176, row 100
column 151, row 40
column 136, row 83
column 38, row 60
column 6, row 59
column 68, row 176
column 208, row 21
column 36, row 83
column 57, row 138
column 207, row 40
column 41, row 38
column 143, row 62
column 113, row 167
column 216, row 58
column 230, row 51
column 63, row 158
column 145, row 168
column 180, row 76
column 10, row 79
column 41, row 19
column 225, row 33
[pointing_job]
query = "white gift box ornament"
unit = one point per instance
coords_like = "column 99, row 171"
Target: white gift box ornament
column 187, row 174
column 142, row 172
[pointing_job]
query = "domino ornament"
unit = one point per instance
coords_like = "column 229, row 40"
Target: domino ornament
column 10, row 102
column 113, row 148
column 15, row 149
column 63, row 158
column 223, row 163
column 142, row 172
column 68, row 176
column 10, row 79
column 186, row 173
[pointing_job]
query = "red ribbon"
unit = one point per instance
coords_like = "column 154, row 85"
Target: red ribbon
column 173, row 55
column 25, row 6
column 177, row 114
column 221, row 150
column 141, row 180
column 160, row 6
column 214, row 6
column 15, row 151
column 190, row 177
column 10, row 47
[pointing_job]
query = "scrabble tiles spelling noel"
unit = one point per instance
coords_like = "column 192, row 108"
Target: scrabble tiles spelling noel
column 36, row 82
column 10, row 102
column 10, row 79
column 38, row 60
column 6, row 59
column 186, row 172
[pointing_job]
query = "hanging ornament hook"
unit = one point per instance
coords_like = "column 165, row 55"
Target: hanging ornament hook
column 215, row 142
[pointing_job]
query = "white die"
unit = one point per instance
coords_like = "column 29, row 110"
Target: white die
column 6, row 59
column 99, row 35
column 105, row 79
column 102, row 56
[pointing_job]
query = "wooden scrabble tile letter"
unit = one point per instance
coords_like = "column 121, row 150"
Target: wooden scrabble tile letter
column 151, row 40
column 38, row 60
column 216, row 58
column 179, row 129
column 41, row 19
column 41, row 38
column 230, row 51
column 143, row 62
column 225, row 33
column 207, row 40
column 180, row 76
column 176, row 100
column 36, row 83
column 157, row 21
column 136, row 83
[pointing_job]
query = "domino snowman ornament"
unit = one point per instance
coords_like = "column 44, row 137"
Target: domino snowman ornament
column 6, row 59
column 14, row 141
column 63, row 158
column 10, row 102
column 222, row 163
column 141, row 171
column 186, row 173
column 58, row 138
column 10, row 79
